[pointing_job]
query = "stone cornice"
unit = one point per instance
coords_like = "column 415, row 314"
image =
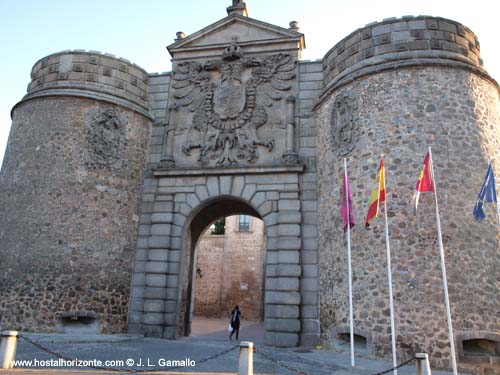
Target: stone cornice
column 278, row 36
column 359, row 73
column 82, row 93
column 217, row 171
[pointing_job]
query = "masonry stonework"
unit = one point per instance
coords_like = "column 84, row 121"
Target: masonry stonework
column 71, row 182
column 231, row 271
column 399, row 113
column 208, row 283
column 112, row 174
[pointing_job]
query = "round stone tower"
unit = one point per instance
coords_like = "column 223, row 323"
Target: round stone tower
column 396, row 88
column 71, row 183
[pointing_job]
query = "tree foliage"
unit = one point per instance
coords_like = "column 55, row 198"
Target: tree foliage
column 219, row 226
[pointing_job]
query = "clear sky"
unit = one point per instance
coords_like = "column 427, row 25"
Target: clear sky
column 139, row 30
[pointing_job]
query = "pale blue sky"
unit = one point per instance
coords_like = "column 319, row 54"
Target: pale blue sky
column 140, row 30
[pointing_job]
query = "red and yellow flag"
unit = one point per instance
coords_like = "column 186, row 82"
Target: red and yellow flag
column 378, row 194
column 424, row 182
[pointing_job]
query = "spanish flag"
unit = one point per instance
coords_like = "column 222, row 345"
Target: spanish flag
column 378, row 194
column 424, row 182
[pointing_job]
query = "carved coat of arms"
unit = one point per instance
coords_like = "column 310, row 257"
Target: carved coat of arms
column 345, row 127
column 106, row 137
column 228, row 98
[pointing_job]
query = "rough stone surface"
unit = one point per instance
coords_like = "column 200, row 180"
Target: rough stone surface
column 73, row 219
column 232, row 268
column 241, row 126
column 400, row 115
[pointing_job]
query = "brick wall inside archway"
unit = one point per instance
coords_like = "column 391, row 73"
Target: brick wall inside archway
column 230, row 271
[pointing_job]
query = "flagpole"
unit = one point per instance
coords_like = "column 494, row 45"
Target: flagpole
column 389, row 280
column 346, row 196
column 443, row 270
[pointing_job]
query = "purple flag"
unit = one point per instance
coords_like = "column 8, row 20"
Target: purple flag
column 345, row 203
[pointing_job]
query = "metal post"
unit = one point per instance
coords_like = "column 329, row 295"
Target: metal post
column 351, row 319
column 245, row 364
column 423, row 357
column 8, row 349
column 391, row 302
column 443, row 271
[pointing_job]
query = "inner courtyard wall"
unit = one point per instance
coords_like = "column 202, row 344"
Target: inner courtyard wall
column 231, row 271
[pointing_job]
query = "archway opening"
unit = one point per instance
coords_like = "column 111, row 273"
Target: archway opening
column 480, row 350
column 226, row 257
column 342, row 342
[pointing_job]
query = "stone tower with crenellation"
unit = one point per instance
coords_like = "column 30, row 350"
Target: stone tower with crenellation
column 112, row 174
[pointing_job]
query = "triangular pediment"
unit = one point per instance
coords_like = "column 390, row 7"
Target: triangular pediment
column 239, row 29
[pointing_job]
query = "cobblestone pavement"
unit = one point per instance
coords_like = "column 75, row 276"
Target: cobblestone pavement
column 208, row 338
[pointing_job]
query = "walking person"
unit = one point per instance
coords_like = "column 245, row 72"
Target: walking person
column 235, row 322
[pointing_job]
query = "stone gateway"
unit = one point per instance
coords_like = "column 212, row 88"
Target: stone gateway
column 112, row 174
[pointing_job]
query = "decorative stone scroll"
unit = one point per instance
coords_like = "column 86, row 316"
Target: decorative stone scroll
column 229, row 98
column 106, row 137
column 345, row 128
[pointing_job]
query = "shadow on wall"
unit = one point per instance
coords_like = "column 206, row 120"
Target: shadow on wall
column 342, row 340
column 81, row 322
column 478, row 347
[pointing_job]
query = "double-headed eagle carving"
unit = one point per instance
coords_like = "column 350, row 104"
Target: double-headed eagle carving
column 228, row 98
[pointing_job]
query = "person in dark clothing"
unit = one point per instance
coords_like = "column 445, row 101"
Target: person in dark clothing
column 235, row 322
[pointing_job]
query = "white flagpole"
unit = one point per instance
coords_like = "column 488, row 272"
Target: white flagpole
column 346, row 196
column 443, row 270
column 389, row 280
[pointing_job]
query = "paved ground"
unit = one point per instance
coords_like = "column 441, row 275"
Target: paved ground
column 216, row 330
column 209, row 338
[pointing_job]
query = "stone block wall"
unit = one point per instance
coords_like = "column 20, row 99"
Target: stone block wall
column 187, row 200
column 243, row 270
column 397, row 87
column 380, row 44
column 208, row 282
column 285, row 119
column 105, row 75
column 398, row 113
column 158, row 88
column 71, row 185
column 73, row 219
column 232, row 271
column 310, row 85
column 260, row 133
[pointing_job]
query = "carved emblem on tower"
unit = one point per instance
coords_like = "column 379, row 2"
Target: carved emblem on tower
column 345, row 128
column 228, row 98
column 106, row 137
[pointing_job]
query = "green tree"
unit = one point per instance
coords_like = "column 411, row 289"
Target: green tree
column 219, row 226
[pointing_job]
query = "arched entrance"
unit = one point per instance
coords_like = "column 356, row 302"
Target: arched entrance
column 184, row 203
column 205, row 215
column 230, row 259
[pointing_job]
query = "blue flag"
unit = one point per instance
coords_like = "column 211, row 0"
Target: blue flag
column 487, row 194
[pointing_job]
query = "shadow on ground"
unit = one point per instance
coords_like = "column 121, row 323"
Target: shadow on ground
column 207, row 329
